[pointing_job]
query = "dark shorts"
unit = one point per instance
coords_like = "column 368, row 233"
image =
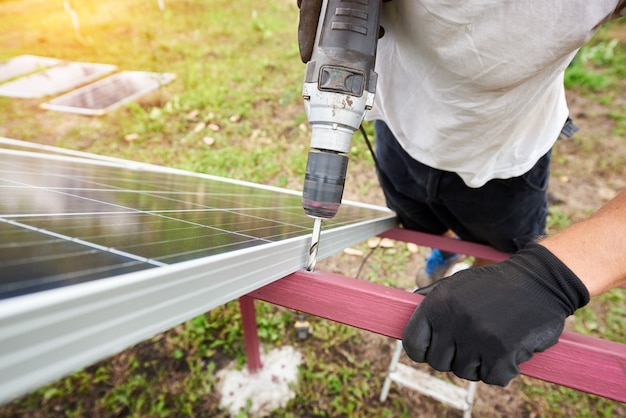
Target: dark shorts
column 504, row 213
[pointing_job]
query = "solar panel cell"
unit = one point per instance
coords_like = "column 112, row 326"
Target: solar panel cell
column 32, row 261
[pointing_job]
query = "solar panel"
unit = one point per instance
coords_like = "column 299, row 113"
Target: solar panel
column 54, row 80
column 24, row 64
column 97, row 254
column 109, row 93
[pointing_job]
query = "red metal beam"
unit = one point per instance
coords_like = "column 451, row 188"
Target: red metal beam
column 577, row 361
column 447, row 244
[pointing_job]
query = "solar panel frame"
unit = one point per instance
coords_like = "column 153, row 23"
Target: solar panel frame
column 97, row 98
column 54, row 80
column 50, row 333
column 24, row 64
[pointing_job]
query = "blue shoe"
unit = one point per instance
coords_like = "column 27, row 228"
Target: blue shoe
column 436, row 267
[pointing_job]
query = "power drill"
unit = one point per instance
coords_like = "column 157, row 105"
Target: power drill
column 339, row 87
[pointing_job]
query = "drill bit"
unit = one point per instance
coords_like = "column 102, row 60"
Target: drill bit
column 315, row 242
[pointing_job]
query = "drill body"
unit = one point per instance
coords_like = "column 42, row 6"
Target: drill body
column 339, row 87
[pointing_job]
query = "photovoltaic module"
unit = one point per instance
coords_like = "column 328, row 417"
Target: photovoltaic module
column 97, row 253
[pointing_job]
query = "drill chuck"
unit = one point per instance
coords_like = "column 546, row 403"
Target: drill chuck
column 323, row 183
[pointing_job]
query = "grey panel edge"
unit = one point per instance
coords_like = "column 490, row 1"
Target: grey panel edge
column 46, row 336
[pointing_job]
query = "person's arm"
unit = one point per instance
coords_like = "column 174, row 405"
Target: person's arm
column 595, row 249
column 481, row 323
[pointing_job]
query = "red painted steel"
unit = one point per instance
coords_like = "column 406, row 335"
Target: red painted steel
column 250, row 334
column 447, row 244
column 577, row 361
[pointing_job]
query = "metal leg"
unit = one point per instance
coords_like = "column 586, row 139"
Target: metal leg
column 471, row 391
column 250, row 334
column 392, row 367
column 431, row 386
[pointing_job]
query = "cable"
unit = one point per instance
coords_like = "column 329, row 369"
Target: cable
column 358, row 273
column 369, row 146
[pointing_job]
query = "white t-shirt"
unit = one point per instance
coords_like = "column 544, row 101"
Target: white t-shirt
column 476, row 86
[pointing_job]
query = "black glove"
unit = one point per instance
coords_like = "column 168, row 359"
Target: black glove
column 481, row 323
column 307, row 27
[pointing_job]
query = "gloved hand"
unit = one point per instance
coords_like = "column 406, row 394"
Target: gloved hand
column 307, row 26
column 481, row 323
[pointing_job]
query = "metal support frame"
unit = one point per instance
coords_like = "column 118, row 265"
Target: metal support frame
column 577, row 361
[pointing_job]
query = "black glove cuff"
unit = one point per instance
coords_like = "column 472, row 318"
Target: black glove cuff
column 554, row 275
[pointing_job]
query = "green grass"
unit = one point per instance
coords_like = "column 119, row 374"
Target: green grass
column 238, row 73
column 599, row 65
column 238, row 83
